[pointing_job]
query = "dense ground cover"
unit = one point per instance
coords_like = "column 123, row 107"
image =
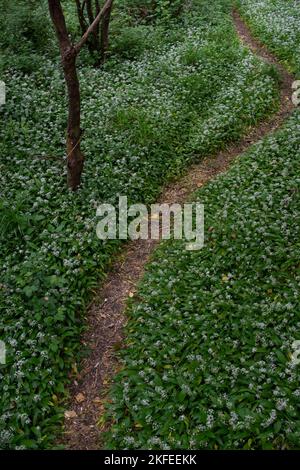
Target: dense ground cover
column 277, row 24
column 208, row 357
column 190, row 89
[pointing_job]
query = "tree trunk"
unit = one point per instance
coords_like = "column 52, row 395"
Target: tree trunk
column 97, row 30
column 105, row 34
column 81, row 18
column 75, row 158
column 69, row 52
column 94, row 37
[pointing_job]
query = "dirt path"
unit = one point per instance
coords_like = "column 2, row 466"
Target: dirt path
column 105, row 316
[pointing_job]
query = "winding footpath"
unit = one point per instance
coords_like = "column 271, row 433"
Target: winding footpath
column 105, row 316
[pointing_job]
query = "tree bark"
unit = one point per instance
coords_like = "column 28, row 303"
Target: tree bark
column 75, row 158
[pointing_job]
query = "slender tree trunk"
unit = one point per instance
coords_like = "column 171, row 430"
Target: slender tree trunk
column 105, row 33
column 98, row 40
column 94, row 37
column 97, row 30
column 69, row 52
column 81, row 18
column 75, row 158
column 91, row 44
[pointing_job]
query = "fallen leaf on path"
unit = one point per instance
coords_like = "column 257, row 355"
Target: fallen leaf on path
column 70, row 414
column 80, row 398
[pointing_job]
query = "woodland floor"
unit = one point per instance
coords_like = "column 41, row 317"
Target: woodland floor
column 84, row 425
